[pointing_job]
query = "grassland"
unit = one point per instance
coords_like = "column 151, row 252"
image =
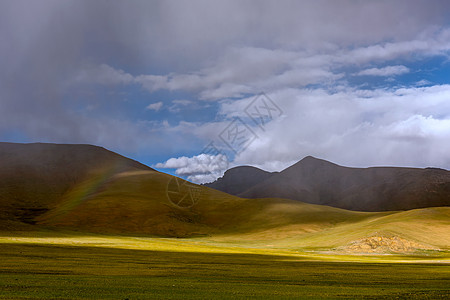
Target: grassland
column 222, row 247
column 45, row 265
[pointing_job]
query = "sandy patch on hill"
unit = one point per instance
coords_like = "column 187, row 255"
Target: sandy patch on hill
column 383, row 244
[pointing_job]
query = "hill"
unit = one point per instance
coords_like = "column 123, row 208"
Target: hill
column 33, row 177
column 149, row 202
column 321, row 182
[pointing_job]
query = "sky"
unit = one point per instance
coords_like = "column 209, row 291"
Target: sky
column 193, row 88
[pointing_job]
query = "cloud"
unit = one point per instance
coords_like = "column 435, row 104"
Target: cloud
column 59, row 57
column 403, row 126
column 423, row 82
column 406, row 126
column 418, row 127
column 199, row 169
column 103, row 74
column 425, row 44
column 386, row 71
column 240, row 71
column 179, row 104
column 155, row 106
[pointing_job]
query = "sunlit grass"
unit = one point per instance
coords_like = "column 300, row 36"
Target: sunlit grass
column 208, row 245
column 47, row 265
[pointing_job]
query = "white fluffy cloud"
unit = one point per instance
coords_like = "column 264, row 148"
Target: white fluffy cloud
column 200, row 169
column 407, row 127
column 386, row 71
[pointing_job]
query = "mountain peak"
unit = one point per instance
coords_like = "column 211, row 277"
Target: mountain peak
column 313, row 162
column 310, row 158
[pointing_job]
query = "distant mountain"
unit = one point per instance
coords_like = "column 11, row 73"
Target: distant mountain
column 237, row 180
column 33, row 177
column 321, row 182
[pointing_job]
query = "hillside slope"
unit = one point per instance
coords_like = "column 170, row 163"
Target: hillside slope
column 149, row 202
column 33, row 177
column 318, row 181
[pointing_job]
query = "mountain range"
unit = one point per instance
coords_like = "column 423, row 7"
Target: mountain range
column 86, row 188
column 317, row 181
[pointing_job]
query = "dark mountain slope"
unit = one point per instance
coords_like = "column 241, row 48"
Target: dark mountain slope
column 318, row 181
column 33, row 177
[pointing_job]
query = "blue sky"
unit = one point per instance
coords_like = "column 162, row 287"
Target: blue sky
column 359, row 83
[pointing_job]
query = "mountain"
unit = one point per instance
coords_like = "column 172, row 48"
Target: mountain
column 317, row 181
column 237, row 180
column 34, row 177
column 83, row 188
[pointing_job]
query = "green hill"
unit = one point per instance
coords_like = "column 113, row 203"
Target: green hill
column 144, row 202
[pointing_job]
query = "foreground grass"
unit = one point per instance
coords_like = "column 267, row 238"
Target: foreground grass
column 119, row 268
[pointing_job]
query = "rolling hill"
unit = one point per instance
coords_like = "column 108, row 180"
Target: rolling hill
column 85, row 188
column 318, row 181
column 148, row 203
column 33, row 177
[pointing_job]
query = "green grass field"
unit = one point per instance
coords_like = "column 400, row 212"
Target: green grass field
column 46, row 265
column 123, row 238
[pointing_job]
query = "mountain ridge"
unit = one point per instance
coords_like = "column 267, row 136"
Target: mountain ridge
column 318, row 181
